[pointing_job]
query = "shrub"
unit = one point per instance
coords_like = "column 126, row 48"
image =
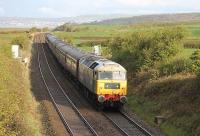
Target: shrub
column 22, row 41
column 144, row 49
column 70, row 27
column 195, row 57
column 176, row 66
column 34, row 29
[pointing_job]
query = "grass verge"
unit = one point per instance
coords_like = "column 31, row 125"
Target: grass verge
column 19, row 113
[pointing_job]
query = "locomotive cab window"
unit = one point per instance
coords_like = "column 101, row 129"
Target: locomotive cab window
column 112, row 75
column 118, row 75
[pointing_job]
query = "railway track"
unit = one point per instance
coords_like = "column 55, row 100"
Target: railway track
column 126, row 124
column 72, row 119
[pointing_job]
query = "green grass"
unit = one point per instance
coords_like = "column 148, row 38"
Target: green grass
column 18, row 109
column 147, row 110
column 171, row 130
column 171, row 97
column 194, row 29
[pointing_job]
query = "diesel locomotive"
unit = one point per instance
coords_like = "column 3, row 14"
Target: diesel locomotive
column 103, row 81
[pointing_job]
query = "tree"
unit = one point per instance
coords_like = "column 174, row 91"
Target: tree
column 34, row 29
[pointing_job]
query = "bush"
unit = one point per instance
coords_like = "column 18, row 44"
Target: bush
column 34, row 29
column 144, row 49
column 69, row 27
column 22, row 41
column 176, row 66
column 195, row 57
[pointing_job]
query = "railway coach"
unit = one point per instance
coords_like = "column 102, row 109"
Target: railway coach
column 103, row 81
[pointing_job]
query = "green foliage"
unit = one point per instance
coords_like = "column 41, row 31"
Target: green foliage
column 195, row 57
column 34, row 29
column 175, row 66
column 69, row 28
column 45, row 29
column 175, row 97
column 147, row 48
column 172, row 130
column 22, row 41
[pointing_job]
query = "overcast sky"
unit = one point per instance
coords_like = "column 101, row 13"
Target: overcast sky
column 69, row 8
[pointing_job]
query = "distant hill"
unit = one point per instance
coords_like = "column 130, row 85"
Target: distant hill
column 23, row 22
column 159, row 18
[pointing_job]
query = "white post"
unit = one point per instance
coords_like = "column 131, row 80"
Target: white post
column 15, row 51
column 97, row 50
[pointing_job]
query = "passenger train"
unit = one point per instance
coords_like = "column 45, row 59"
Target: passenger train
column 103, row 81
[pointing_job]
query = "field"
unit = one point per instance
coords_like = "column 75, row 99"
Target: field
column 18, row 109
column 98, row 33
column 174, row 96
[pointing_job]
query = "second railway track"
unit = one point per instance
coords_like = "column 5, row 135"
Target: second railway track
column 73, row 120
column 126, row 124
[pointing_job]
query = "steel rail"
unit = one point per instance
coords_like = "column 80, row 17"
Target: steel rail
column 69, row 100
column 54, row 103
column 136, row 124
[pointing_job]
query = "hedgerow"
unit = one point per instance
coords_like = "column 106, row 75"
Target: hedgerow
column 142, row 50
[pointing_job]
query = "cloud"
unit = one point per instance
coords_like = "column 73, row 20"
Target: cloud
column 141, row 3
column 67, row 8
column 150, row 4
column 2, row 11
column 47, row 11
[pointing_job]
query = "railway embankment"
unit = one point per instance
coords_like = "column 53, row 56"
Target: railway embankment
column 20, row 112
column 163, row 78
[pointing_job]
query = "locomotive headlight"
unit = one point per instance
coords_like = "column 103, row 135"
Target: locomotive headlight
column 101, row 98
column 123, row 99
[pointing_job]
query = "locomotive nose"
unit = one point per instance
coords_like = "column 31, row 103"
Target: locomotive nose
column 101, row 98
column 123, row 99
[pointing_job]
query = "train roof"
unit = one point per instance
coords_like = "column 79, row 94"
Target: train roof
column 66, row 48
column 99, row 63
column 108, row 65
column 72, row 51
